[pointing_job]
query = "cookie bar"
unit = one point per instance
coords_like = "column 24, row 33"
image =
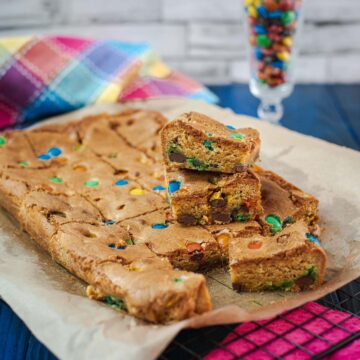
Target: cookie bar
column 16, row 152
column 69, row 196
column 188, row 248
column 283, row 202
column 195, row 141
column 292, row 260
column 120, row 273
column 212, row 198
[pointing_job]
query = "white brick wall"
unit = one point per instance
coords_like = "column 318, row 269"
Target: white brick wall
column 203, row 38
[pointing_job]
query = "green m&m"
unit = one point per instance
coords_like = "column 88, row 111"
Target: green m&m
column 263, row 41
column 287, row 17
column 275, row 223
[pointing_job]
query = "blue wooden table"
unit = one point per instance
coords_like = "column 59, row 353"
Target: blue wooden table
column 329, row 112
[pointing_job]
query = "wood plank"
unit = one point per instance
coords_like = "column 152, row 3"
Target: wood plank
column 310, row 110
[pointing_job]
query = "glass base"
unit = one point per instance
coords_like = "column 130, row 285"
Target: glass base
column 270, row 111
column 270, row 108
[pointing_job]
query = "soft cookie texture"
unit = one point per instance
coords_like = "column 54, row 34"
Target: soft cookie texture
column 292, row 260
column 93, row 194
column 195, row 141
column 213, row 198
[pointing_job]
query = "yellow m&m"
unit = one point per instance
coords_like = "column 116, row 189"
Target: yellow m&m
column 137, row 191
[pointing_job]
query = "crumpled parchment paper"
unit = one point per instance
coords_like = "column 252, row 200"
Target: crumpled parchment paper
column 53, row 304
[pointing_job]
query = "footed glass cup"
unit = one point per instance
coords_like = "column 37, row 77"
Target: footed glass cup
column 272, row 30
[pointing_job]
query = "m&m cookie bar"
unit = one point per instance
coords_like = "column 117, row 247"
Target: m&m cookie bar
column 71, row 196
column 213, row 198
column 284, row 203
column 120, row 273
column 195, row 141
column 292, row 260
column 189, row 248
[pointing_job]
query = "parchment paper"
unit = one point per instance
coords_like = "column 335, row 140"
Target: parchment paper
column 52, row 302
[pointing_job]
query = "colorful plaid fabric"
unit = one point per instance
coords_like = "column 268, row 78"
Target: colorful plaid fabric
column 44, row 76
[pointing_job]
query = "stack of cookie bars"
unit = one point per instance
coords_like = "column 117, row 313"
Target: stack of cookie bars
column 93, row 195
column 212, row 180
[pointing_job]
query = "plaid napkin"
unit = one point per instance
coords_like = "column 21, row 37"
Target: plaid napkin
column 44, row 76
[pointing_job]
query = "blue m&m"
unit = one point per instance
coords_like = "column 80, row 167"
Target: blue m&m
column 174, row 186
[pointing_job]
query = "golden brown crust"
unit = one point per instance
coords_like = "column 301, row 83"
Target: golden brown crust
column 195, row 141
column 289, row 260
column 213, row 198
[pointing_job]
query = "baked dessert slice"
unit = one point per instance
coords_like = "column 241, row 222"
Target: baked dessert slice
column 195, row 141
column 292, row 260
column 188, row 248
column 140, row 129
column 213, row 198
column 16, row 152
column 119, row 273
column 41, row 213
column 283, row 202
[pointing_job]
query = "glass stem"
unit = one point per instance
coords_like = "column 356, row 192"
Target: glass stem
column 270, row 110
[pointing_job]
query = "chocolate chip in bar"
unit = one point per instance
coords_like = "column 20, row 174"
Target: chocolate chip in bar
column 304, row 281
column 221, row 216
column 218, row 203
column 177, row 157
column 186, row 219
column 240, row 168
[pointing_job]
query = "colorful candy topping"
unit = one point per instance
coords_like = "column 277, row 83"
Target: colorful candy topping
column 230, row 127
column 23, row 163
column 197, row 164
column 121, row 182
column 2, row 141
column 115, row 302
column 288, row 220
column 159, row 188
column 237, row 136
column 208, row 144
column 109, row 222
column 178, row 280
column 174, row 186
column 117, row 247
column 254, row 245
column 242, row 217
column 137, row 191
column 44, row 157
column 223, row 240
column 54, row 152
column 314, row 239
column 56, row 179
column 92, row 183
column 160, row 226
column 272, row 26
column 210, row 134
column 312, row 272
column 193, row 247
column 275, row 222
column 79, row 168
column 79, row 147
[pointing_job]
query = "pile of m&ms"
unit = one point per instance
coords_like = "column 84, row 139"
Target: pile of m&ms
column 272, row 24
